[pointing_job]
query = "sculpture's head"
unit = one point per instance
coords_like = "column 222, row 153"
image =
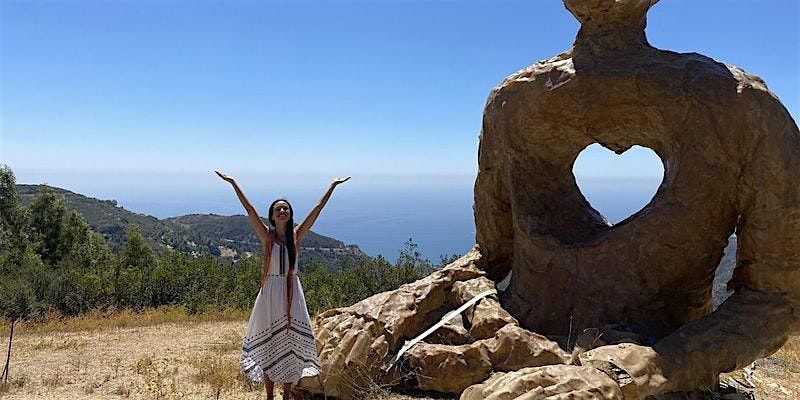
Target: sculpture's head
column 607, row 14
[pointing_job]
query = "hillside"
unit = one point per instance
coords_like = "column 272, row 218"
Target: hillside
column 233, row 236
column 225, row 236
column 108, row 218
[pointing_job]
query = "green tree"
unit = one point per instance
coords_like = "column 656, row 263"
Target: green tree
column 134, row 267
column 169, row 278
column 83, row 247
column 321, row 288
column 326, row 289
column 30, row 270
column 85, row 269
column 10, row 208
column 410, row 265
column 75, row 233
column 13, row 223
column 447, row 259
column 248, row 277
column 46, row 226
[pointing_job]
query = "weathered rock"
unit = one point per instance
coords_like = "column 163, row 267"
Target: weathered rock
column 450, row 333
column 514, row 347
column 549, row 382
column 487, row 316
column 454, row 368
column 449, row 369
column 355, row 342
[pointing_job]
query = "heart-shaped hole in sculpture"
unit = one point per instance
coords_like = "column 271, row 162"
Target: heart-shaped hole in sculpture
column 618, row 186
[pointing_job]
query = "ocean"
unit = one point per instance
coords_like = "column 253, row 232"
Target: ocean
column 379, row 213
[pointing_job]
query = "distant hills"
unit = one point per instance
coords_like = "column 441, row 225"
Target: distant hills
column 218, row 235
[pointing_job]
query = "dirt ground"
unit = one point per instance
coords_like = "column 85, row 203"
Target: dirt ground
column 199, row 360
column 159, row 362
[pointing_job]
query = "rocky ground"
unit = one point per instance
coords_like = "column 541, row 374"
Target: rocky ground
column 199, row 360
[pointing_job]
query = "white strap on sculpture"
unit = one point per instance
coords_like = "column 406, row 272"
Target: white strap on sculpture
column 447, row 317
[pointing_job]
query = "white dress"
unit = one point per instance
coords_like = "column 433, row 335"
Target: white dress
column 284, row 356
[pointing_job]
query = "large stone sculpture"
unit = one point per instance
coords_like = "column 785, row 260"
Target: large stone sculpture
column 625, row 309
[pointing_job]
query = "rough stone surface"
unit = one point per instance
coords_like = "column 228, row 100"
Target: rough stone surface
column 731, row 153
column 454, row 368
column 355, row 342
column 450, row 333
column 549, row 382
column 636, row 296
column 487, row 316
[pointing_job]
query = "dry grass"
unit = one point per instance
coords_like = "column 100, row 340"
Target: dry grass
column 776, row 377
column 232, row 341
column 790, row 351
column 108, row 319
column 69, row 343
column 220, row 373
column 193, row 358
column 781, row 371
column 15, row 383
column 359, row 380
column 183, row 360
column 53, row 379
column 177, row 360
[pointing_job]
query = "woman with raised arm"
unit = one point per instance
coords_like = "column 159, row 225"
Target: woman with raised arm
column 279, row 343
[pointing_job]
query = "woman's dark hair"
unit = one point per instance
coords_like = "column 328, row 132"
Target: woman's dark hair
column 290, row 245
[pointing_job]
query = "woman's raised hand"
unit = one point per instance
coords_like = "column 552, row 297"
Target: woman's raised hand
column 305, row 226
column 337, row 181
column 226, row 178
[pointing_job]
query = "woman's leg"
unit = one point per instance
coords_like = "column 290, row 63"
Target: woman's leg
column 287, row 391
column 269, row 387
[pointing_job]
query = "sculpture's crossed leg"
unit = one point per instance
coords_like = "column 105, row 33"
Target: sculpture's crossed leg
column 356, row 342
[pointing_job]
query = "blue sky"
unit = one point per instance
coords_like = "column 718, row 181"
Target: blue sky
column 329, row 88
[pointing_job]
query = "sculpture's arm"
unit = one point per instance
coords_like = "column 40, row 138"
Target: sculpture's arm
column 492, row 208
column 765, row 307
column 757, row 318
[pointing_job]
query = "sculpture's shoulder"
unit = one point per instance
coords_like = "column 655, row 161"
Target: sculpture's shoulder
column 560, row 65
column 702, row 66
column 702, row 71
column 748, row 82
column 716, row 82
column 541, row 76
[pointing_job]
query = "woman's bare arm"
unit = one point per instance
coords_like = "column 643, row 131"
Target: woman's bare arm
column 301, row 230
column 255, row 221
